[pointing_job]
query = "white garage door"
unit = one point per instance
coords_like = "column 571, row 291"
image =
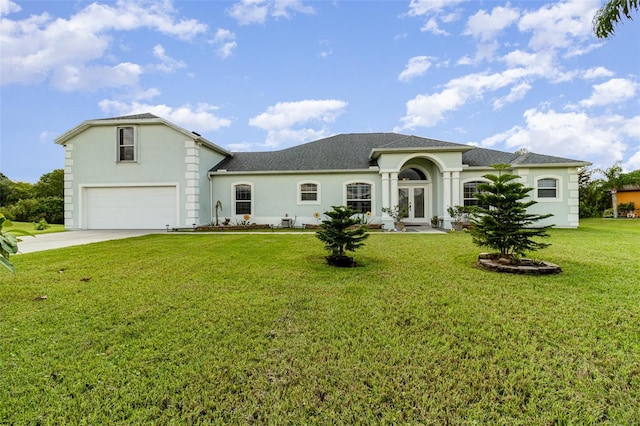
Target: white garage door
column 139, row 207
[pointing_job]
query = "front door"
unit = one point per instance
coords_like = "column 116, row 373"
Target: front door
column 414, row 198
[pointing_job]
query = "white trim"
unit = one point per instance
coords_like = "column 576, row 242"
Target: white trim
column 82, row 191
column 368, row 182
column 136, row 153
column 559, row 192
column 299, row 199
column 233, row 197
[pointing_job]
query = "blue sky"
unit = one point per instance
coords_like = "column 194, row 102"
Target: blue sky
column 257, row 75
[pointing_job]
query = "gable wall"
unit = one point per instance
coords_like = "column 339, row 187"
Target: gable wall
column 165, row 157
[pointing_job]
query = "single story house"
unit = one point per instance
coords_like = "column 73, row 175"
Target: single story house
column 630, row 194
column 144, row 172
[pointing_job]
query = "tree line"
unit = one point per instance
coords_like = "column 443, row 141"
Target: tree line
column 598, row 196
column 26, row 202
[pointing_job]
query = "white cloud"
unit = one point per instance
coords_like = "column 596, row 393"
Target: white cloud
column 88, row 79
column 285, row 121
column 200, row 118
column 560, row 24
column 225, row 41
column 168, row 64
column 417, row 66
column 633, row 163
column 433, row 10
column 248, row 12
column 432, row 26
column 614, row 91
column 486, row 27
column 571, row 135
column 40, row 46
column 429, row 110
column 7, row 7
column 283, row 8
column 425, row 7
column 597, row 72
column 517, row 92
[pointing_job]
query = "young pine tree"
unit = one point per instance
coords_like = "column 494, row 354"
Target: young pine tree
column 341, row 232
column 503, row 223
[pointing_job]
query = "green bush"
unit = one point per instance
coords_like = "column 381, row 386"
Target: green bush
column 33, row 209
column 41, row 225
column 627, row 207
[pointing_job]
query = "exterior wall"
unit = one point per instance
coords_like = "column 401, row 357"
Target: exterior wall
column 565, row 207
column 630, row 197
column 165, row 156
column 276, row 196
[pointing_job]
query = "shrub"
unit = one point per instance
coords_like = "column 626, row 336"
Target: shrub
column 341, row 232
column 505, row 224
column 41, row 225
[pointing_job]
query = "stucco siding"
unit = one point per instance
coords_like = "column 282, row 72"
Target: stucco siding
column 276, row 196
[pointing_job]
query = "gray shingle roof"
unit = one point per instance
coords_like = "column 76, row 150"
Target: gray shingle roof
column 353, row 152
column 145, row 116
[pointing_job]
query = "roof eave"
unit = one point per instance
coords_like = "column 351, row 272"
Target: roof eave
column 65, row 137
column 222, row 172
column 376, row 152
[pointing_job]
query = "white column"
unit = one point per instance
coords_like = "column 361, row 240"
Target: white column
column 455, row 188
column 394, row 189
column 385, row 191
column 446, row 193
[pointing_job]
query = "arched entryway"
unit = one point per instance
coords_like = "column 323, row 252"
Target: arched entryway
column 414, row 194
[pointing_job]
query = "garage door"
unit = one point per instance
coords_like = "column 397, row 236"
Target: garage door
column 139, row 207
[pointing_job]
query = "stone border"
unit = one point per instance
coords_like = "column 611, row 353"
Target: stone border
column 492, row 262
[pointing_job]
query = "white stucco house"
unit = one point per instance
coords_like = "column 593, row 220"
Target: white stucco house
column 144, row 172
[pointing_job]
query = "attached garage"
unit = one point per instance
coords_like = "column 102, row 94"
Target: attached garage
column 130, row 207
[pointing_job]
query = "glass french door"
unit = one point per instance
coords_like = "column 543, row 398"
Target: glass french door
column 414, row 198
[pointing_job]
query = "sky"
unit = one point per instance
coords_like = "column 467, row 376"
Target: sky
column 262, row 75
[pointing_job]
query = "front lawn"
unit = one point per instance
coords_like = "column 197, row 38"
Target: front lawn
column 243, row 329
column 30, row 227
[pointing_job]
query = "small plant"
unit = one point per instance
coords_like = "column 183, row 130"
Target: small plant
column 397, row 213
column 9, row 242
column 341, row 232
column 245, row 221
column 41, row 225
column 435, row 221
column 625, row 208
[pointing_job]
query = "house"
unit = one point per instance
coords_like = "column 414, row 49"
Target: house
column 144, row 172
column 630, row 194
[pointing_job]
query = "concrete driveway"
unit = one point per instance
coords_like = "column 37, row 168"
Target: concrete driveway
column 75, row 238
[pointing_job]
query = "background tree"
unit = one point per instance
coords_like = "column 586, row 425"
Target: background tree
column 614, row 179
column 343, row 231
column 610, row 14
column 50, row 185
column 505, row 224
column 593, row 199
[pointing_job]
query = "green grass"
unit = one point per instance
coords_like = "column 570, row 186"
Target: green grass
column 29, row 227
column 243, row 329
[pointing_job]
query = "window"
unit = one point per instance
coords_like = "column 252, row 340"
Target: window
column 469, row 189
column 548, row 188
column 359, row 197
column 243, row 199
column 411, row 174
column 308, row 192
column 126, row 144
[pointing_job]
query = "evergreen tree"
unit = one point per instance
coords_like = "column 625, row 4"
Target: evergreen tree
column 342, row 232
column 505, row 225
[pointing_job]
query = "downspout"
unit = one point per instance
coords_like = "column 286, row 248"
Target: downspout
column 211, row 206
